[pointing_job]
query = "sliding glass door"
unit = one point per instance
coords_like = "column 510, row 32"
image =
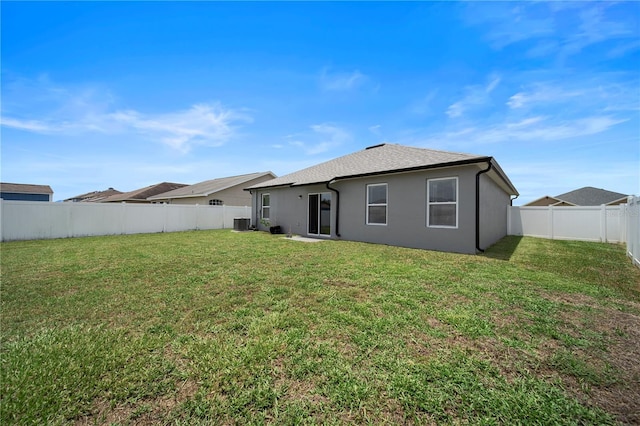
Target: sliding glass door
column 319, row 221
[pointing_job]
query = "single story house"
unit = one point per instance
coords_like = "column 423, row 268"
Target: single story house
column 215, row 192
column 392, row 194
column 25, row 192
column 141, row 195
column 587, row 196
column 93, row 196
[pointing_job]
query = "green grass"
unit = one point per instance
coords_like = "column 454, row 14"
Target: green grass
column 220, row 327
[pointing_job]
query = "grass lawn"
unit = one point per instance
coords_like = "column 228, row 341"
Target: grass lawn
column 216, row 327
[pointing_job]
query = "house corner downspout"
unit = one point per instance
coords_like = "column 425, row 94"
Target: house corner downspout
column 337, row 206
column 481, row 172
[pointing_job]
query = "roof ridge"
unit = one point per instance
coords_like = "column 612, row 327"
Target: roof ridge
column 376, row 159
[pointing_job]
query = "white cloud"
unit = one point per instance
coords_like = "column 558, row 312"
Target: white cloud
column 562, row 28
column 595, row 27
column 456, row 109
column 624, row 48
column 321, row 138
column 603, row 93
column 206, row 124
column 533, row 130
column 330, row 137
column 542, row 94
column 508, row 23
column 87, row 110
column 476, row 96
column 495, row 80
column 28, row 125
column 341, row 81
column 375, row 129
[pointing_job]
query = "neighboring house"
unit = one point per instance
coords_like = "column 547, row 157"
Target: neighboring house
column 25, row 192
column 93, row 196
column 392, row 194
column 216, row 192
column 587, row 196
column 141, row 195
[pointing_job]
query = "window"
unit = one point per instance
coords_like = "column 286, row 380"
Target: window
column 216, row 202
column 266, row 206
column 377, row 204
column 442, row 203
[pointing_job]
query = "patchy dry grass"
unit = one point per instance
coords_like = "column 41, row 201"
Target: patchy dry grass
column 221, row 327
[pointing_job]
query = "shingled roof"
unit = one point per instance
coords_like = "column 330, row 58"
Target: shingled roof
column 94, row 196
column 143, row 193
column 380, row 159
column 590, row 196
column 208, row 187
column 25, row 188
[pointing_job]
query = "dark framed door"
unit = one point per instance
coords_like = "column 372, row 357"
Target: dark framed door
column 319, row 220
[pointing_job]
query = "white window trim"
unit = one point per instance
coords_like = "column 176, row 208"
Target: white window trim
column 456, row 203
column 386, row 205
column 262, row 206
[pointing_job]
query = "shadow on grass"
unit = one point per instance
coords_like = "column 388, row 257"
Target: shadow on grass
column 503, row 249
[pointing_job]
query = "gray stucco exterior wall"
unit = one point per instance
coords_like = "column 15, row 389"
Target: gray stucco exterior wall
column 288, row 208
column 494, row 203
column 406, row 210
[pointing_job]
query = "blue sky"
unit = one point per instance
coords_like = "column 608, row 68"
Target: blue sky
column 125, row 95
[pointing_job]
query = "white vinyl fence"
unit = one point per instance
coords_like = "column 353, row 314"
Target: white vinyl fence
column 26, row 220
column 610, row 224
column 585, row 223
column 633, row 229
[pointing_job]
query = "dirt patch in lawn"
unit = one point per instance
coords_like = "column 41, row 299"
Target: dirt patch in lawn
column 615, row 360
column 147, row 411
column 621, row 399
column 621, row 331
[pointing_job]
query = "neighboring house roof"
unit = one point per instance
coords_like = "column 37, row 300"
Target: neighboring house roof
column 382, row 159
column 586, row 196
column 590, row 196
column 208, row 187
column 94, row 196
column 23, row 188
column 143, row 193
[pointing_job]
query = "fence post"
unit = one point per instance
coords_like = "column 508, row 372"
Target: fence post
column 633, row 229
column 165, row 210
column 70, row 220
column 623, row 222
column 123, row 215
column 603, row 223
column 1, row 219
column 224, row 217
column 551, row 222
